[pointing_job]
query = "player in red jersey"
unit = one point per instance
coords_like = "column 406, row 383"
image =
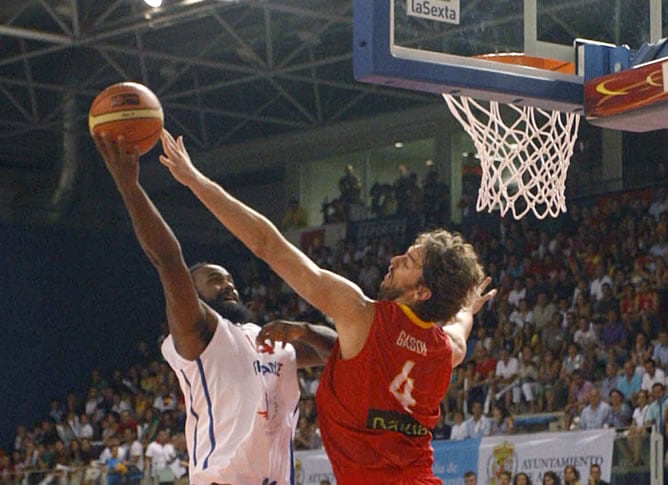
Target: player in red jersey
column 380, row 392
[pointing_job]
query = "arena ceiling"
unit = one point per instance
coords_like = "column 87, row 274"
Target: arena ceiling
column 226, row 71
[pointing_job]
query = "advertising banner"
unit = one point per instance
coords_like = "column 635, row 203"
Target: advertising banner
column 534, row 454
column 454, row 458
column 313, row 468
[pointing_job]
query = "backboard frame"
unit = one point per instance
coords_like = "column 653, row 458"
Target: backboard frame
column 377, row 60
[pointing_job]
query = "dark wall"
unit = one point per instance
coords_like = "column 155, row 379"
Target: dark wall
column 71, row 301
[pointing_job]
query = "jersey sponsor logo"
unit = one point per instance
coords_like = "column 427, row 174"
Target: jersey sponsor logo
column 268, row 368
column 411, row 343
column 394, row 421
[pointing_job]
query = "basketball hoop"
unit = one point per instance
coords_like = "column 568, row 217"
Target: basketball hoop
column 524, row 159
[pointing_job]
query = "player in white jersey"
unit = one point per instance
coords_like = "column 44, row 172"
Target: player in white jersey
column 241, row 399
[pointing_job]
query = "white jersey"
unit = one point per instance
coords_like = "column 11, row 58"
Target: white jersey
column 242, row 408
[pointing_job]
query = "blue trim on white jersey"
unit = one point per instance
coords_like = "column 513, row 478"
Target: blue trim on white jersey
column 292, row 464
column 209, row 407
column 192, row 411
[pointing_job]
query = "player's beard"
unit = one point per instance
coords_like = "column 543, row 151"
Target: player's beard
column 386, row 292
column 233, row 311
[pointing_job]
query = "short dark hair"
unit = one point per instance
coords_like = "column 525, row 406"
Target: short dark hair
column 451, row 270
column 469, row 474
column 575, row 470
column 197, row 266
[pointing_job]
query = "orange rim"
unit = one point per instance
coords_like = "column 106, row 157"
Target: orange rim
column 520, row 59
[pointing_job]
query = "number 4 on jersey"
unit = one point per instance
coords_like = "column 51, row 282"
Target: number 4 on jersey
column 401, row 386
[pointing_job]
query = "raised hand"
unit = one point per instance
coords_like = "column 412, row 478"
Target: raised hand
column 477, row 299
column 177, row 159
column 279, row 331
column 121, row 160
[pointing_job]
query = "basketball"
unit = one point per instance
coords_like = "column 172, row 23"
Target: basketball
column 130, row 110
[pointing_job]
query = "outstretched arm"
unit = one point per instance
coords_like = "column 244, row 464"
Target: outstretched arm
column 313, row 343
column 460, row 327
column 189, row 322
column 332, row 294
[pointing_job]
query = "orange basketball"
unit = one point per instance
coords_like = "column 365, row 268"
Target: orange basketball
column 130, row 110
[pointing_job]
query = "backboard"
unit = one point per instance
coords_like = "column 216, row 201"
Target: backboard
column 439, row 45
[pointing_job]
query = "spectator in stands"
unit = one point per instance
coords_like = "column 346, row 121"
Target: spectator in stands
column 578, row 395
column 571, row 475
column 502, row 422
column 57, row 411
column 369, row 276
column 528, row 377
column 597, row 413
column 638, row 427
column 620, row 412
column 574, row 359
column 660, row 354
column 115, row 465
column 149, row 426
column 553, row 335
column 627, row 304
column 165, row 400
column 478, row 425
column 522, row 478
column 647, row 301
column 521, row 315
column 614, row 337
column 158, row 455
column 295, row 216
column 350, row 190
column 642, row 348
column 630, row 382
column 596, row 287
column 543, row 311
column 518, row 293
column 92, row 402
column 134, row 454
column 611, row 379
column 595, row 475
column 303, row 434
column 442, row 430
column 505, row 477
column 652, row 375
column 550, row 384
column 656, row 411
column 436, row 198
column 470, row 478
column 529, row 337
column 551, row 478
column 659, row 204
column 459, row 430
column 464, row 387
column 607, row 302
column 505, row 380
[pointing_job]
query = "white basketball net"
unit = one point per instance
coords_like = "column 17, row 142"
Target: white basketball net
column 524, row 160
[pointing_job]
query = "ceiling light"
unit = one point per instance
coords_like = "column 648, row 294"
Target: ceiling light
column 153, row 3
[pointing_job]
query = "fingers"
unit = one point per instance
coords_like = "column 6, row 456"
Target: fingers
column 166, row 161
column 485, row 283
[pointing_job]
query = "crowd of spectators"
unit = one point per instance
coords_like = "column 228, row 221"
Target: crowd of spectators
column 427, row 200
column 578, row 328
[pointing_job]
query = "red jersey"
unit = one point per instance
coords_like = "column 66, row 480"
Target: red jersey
column 376, row 410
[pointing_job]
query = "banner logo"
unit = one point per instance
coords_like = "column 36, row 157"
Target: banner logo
column 503, row 459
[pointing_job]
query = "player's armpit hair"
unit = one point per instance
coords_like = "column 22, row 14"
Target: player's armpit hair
column 204, row 331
